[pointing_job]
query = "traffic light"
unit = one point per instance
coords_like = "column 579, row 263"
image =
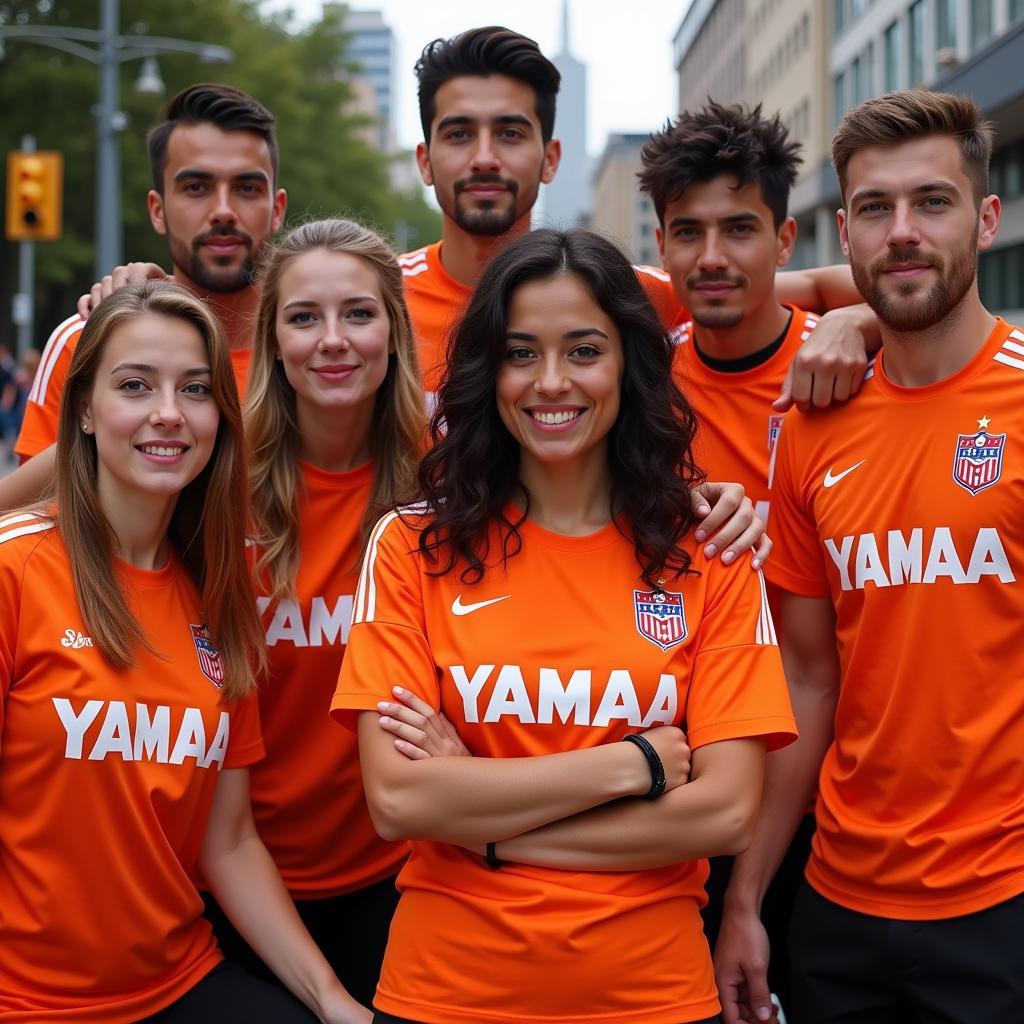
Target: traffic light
column 34, row 196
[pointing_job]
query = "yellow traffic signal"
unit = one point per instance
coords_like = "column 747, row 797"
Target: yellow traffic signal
column 34, row 196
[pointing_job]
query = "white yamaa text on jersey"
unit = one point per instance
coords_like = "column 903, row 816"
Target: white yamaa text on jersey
column 148, row 738
column 897, row 558
column 571, row 699
column 326, row 626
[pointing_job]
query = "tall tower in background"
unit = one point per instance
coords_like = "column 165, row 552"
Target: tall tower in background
column 567, row 198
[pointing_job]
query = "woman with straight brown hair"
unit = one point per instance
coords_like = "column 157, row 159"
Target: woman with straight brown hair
column 335, row 426
column 128, row 644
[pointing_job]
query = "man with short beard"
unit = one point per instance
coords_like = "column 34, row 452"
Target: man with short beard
column 899, row 546
column 215, row 198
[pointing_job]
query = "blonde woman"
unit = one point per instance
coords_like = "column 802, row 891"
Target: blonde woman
column 126, row 671
column 335, row 425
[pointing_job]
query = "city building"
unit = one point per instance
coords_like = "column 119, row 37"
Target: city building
column 567, row 199
column 619, row 209
column 710, row 52
column 371, row 48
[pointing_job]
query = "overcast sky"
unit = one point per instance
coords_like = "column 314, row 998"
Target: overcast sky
column 626, row 45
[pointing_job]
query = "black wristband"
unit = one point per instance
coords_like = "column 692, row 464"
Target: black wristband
column 653, row 762
column 492, row 858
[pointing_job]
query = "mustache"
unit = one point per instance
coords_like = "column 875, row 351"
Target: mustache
column 900, row 256
column 486, row 179
column 223, row 231
column 738, row 280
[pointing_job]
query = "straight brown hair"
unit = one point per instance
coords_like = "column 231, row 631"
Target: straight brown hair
column 207, row 528
column 900, row 117
column 398, row 429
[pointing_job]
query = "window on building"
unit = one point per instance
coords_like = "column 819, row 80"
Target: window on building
column 945, row 25
column 915, row 40
column 981, row 23
column 838, row 97
column 893, row 61
column 857, row 81
column 1001, row 279
column 838, row 16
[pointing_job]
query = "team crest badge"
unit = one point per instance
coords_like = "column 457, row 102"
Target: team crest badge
column 774, row 429
column 979, row 458
column 660, row 617
column 209, row 657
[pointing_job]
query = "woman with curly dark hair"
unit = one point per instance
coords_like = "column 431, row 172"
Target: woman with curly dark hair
column 548, row 599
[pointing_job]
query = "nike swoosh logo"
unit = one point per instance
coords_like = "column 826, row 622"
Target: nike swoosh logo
column 458, row 608
column 831, row 481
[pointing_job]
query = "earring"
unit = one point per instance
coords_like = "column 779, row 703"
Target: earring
column 85, row 427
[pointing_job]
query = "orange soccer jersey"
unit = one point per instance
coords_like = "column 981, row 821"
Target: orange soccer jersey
column 738, row 425
column 42, row 410
column 904, row 507
column 604, row 657
column 106, row 779
column 436, row 301
column 307, row 794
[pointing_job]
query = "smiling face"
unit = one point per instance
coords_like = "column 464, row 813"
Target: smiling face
column 558, row 387
column 151, row 410
column 912, row 230
column 333, row 333
column 486, row 159
column 721, row 249
column 219, row 207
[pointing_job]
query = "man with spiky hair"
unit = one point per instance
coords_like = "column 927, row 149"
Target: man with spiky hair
column 899, row 554
column 719, row 179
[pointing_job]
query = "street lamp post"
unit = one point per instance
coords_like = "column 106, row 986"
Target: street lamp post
column 110, row 49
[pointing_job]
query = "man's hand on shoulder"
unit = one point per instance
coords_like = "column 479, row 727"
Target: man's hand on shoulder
column 830, row 365
column 131, row 273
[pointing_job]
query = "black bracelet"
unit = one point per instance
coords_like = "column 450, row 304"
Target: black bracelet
column 492, row 858
column 653, row 762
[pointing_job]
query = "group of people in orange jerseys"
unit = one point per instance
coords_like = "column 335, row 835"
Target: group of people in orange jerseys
column 430, row 674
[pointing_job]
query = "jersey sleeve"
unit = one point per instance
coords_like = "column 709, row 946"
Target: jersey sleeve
column 658, row 285
column 42, row 410
column 387, row 645
column 737, row 687
column 797, row 564
column 245, row 745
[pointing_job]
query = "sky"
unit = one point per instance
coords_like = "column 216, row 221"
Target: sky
column 627, row 47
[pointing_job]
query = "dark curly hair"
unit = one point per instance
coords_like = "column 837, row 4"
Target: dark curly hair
column 492, row 50
column 472, row 472
column 718, row 140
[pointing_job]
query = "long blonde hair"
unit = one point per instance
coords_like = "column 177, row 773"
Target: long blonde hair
column 397, row 430
column 207, row 526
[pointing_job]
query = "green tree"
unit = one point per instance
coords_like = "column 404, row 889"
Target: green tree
column 302, row 75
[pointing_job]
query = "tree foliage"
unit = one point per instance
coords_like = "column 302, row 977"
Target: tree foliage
column 301, row 74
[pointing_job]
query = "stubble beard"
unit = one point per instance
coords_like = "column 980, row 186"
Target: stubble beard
column 211, row 277
column 898, row 311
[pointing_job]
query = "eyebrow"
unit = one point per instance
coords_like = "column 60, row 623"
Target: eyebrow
column 193, row 173
column 581, row 332
column 195, row 371
column 929, row 186
column 355, row 300
column 455, row 120
column 733, row 218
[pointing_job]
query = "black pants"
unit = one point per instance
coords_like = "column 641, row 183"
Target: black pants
column 776, row 909
column 851, row 968
column 228, row 995
column 386, row 1018
column 351, row 931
